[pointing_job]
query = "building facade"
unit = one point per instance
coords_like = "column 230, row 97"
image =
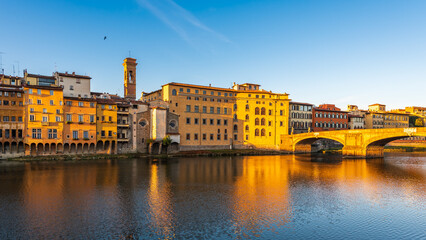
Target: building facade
column 106, row 125
column 356, row 121
column 300, row 117
column 328, row 117
column 11, row 121
column 74, row 85
column 79, row 133
column 43, row 119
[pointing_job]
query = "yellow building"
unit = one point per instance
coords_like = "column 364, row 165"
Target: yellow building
column 396, row 120
column 216, row 118
column 10, row 80
column 79, row 134
column 106, row 126
column 265, row 115
column 43, row 120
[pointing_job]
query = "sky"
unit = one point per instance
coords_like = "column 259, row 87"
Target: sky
column 338, row 52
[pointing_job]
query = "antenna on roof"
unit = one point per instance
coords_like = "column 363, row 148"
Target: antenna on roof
column 1, row 63
column 130, row 54
column 18, row 68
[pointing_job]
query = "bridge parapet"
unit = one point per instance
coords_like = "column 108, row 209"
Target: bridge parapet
column 360, row 142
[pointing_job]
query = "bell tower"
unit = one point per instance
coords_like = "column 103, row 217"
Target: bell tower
column 129, row 65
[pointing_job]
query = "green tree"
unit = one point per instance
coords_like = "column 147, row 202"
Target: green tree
column 419, row 123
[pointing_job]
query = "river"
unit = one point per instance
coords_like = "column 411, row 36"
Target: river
column 266, row 197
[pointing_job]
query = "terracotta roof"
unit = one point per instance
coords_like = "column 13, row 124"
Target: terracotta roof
column 73, row 75
column 40, row 76
column 105, row 101
column 301, row 103
column 80, row 99
column 377, row 104
column 44, row 87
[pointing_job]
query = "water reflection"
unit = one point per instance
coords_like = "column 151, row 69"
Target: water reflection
column 232, row 197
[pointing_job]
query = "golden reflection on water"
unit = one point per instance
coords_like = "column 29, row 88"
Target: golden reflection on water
column 160, row 203
column 263, row 194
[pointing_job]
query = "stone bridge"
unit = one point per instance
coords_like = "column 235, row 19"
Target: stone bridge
column 360, row 142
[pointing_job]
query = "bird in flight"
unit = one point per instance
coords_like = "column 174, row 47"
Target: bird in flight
column 105, row 37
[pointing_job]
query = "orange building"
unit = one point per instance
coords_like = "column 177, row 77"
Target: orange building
column 11, row 120
column 328, row 117
column 43, row 120
column 106, row 126
column 79, row 134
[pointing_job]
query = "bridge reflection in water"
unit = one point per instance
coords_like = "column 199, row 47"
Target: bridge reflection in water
column 360, row 142
column 232, row 197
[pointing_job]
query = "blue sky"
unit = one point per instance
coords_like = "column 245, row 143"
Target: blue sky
column 342, row 52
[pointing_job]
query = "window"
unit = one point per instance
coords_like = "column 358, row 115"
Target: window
column 5, row 118
column 92, row 104
column 58, row 111
column 36, row 133
column 180, row 89
column 204, row 136
column 92, row 118
column 263, row 111
column 188, row 90
column 44, row 110
column 204, row 121
column 218, row 122
column 195, row 120
column 80, row 104
column 211, row 137
column 51, row 92
column 188, row 108
column 39, row 101
column 30, row 91
column 58, row 118
column 211, row 121
column 204, row 109
column 102, row 133
column 109, row 133
column 86, row 134
column 218, row 110
column 71, row 87
column 52, row 133
column 281, row 112
column 6, row 103
column 174, row 92
column 19, row 119
column 225, row 111
column 225, row 122
column 45, row 119
column 75, row 134
column 195, row 136
column 256, row 111
column 196, row 108
column 80, row 118
column 39, row 91
column 188, row 120
column 211, row 109
column 69, row 118
column 32, row 118
column 188, row 136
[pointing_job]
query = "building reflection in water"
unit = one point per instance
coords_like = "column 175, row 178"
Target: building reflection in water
column 160, row 203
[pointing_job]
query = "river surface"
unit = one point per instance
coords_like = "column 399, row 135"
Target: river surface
column 266, row 197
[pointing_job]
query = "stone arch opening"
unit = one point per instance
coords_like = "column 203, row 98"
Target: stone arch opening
column 21, row 147
column 155, row 148
column 106, row 145
column 113, row 147
column 1, row 147
column 375, row 148
column 40, row 149
column 46, row 149
column 174, row 147
column 6, row 147
column 14, row 148
column 317, row 144
column 86, row 148
column 73, row 148
column 33, row 149
column 92, row 148
column 99, row 146
column 66, row 148
column 59, row 148
column 79, row 148
column 53, row 148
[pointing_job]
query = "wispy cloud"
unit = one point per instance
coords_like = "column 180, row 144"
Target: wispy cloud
column 178, row 19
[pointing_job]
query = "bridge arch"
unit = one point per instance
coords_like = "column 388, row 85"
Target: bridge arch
column 304, row 144
column 375, row 146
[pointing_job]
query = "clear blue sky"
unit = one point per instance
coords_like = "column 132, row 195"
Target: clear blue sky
column 342, row 52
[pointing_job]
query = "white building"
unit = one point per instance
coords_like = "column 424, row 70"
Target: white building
column 74, row 85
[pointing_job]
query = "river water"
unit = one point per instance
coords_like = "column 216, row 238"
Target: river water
column 267, row 197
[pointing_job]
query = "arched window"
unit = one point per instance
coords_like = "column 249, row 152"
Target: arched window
column 247, row 107
column 235, row 117
column 235, row 128
column 263, row 132
column 256, row 111
column 263, row 111
column 247, row 117
column 247, row 128
column 235, row 107
column 256, row 132
column 256, row 121
column 174, row 92
column 262, row 122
